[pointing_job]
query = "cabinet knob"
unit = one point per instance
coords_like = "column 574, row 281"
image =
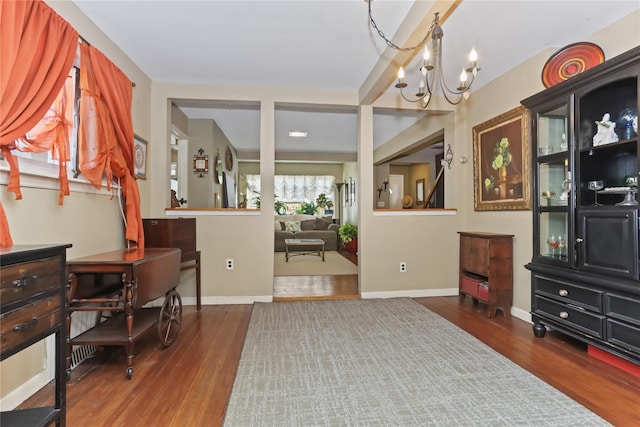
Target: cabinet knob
column 563, row 292
column 564, row 315
column 579, row 240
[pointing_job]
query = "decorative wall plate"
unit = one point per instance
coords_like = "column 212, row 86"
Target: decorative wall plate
column 569, row 61
column 228, row 159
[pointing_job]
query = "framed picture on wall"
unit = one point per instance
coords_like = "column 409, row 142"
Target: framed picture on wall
column 420, row 191
column 501, row 162
column 139, row 157
column 346, row 193
column 352, row 190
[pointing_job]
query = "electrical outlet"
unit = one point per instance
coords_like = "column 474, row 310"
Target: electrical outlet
column 403, row 267
column 230, row 264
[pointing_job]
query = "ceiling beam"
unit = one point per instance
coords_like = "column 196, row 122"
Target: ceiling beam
column 410, row 33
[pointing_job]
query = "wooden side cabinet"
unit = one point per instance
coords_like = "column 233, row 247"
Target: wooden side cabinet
column 486, row 270
column 176, row 233
column 32, row 307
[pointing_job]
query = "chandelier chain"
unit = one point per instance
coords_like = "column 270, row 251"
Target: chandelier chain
column 392, row 44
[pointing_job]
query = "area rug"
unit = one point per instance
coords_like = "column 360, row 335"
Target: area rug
column 311, row 265
column 386, row 362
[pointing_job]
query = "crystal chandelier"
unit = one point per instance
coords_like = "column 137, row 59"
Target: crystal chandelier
column 431, row 73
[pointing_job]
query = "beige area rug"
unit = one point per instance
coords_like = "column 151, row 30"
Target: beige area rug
column 383, row 362
column 312, row 265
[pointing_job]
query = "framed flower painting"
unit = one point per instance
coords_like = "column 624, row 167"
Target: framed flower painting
column 501, row 171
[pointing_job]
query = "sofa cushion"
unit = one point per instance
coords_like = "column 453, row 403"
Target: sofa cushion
column 292, row 226
column 325, row 235
column 277, row 226
column 321, row 224
column 308, row 224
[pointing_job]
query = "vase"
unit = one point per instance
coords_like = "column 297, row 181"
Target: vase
column 503, row 173
column 503, row 182
column 352, row 246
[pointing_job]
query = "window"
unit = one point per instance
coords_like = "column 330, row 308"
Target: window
column 51, row 156
column 293, row 190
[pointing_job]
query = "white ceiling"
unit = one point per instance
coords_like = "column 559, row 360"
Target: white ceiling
column 328, row 45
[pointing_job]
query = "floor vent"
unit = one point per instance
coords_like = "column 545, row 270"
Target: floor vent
column 82, row 321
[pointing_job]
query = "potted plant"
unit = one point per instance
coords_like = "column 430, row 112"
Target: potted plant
column 278, row 206
column 323, row 202
column 308, row 208
column 348, row 234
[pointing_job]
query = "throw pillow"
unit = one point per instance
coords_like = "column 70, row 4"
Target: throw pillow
column 308, row 224
column 321, row 224
column 278, row 226
column 292, row 226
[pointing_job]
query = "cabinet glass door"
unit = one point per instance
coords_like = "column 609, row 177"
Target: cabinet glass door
column 552, row 131
column 554, row 236
column 553, row 184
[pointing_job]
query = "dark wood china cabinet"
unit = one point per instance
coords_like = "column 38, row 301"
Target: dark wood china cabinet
column 584, row 270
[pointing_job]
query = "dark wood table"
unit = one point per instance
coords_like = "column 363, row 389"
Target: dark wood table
column 119, row 283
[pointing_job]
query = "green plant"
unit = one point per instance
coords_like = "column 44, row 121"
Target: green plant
column 348, row 232
column 308, row 208
column 323, row 202
column 278, row 206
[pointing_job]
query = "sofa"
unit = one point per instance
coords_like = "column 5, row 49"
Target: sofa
column 300, row 226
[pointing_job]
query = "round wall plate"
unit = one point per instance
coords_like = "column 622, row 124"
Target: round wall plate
column 571, row 60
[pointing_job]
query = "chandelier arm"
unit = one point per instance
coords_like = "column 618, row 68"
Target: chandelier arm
column 392, row 44
column 411, row 100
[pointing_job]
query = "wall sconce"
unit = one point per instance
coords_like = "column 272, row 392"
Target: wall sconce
column 200, row 163
column 379, row 190
column 386, row 183
column 448, row 157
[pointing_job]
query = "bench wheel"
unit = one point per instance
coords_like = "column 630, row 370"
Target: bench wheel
column 170, row 318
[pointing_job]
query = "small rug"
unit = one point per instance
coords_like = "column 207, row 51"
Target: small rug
column 312, row 265
column 386, row 362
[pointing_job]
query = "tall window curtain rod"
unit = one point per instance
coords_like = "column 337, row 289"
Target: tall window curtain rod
column 83, row 40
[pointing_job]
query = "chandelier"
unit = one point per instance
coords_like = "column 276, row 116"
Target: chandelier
column 431, row 73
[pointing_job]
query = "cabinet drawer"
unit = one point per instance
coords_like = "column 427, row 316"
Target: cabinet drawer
column 571, row 316
column 623, row 308
column 623, row 335
column 588, row 298
column 27, row 279
column 474, row 254
column 23, row 324
column 469, row 285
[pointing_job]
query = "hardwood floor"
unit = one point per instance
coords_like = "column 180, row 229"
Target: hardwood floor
column 189, row 383
column 306, row 288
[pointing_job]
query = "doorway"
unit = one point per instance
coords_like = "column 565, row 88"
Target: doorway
column 396, row 191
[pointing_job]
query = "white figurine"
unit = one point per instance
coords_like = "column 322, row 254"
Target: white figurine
column 606, row 131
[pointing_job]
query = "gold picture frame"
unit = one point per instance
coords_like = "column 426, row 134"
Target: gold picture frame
column 501, row 165
column 139, row 157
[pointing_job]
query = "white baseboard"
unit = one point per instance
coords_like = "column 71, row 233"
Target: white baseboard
column 420, row 293
column 521, row 314
column 249, row 299
column 24, row 391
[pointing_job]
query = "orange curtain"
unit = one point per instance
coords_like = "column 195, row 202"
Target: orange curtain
column 38, row 49
column 106, row 132
column 52, row 133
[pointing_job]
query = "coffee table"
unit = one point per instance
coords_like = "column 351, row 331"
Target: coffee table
column 318, row 244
